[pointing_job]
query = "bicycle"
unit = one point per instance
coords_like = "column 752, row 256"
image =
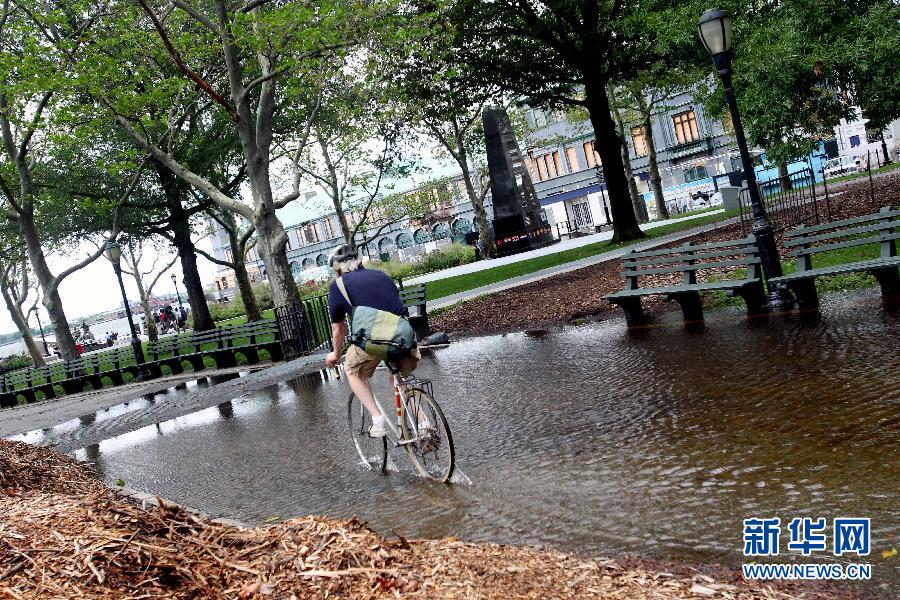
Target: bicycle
column 421, row 429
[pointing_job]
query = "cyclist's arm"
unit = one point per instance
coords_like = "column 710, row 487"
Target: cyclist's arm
column 338, row 335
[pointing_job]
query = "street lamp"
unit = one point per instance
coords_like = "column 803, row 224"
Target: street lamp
column 715, row 33
column 175, row 283
column 113, row 253
column 41, row 328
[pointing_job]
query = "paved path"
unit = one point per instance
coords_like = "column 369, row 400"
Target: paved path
column 562, row 246
column 571, row 266
column 171, row 408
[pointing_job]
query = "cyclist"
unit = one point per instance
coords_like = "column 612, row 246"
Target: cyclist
column 365, row 287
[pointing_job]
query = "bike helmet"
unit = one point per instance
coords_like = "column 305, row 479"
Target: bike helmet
column 341, row 254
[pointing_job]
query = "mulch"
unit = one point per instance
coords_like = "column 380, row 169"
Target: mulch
column 63, row 534
column 576, row 295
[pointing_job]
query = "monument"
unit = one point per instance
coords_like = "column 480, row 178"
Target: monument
column 518, row 222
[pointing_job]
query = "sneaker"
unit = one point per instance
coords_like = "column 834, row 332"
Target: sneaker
column 379, row 428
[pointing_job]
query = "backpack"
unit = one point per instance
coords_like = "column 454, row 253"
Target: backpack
column 379, row 333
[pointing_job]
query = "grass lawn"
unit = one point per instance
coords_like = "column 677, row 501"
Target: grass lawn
column 242, row 319
column 461, row 283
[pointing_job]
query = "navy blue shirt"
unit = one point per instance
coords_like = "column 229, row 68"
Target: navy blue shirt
column 366, row 287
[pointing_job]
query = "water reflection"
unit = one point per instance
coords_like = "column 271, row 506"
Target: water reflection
column 657, row 441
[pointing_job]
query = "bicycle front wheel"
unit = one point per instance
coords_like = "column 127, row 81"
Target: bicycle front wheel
column 372, row 451
column 431, row 449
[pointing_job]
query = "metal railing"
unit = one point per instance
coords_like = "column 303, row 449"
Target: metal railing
column 304, row 326
column 789, row 201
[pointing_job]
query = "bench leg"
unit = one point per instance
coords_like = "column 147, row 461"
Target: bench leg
column 691, row 305
column 754, row 297
column 634, row 312
column 805, row 291
column 8, row 400
column 889, row 280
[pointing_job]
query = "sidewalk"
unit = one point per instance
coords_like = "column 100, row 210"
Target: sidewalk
column 571, row 266
column 562, row 246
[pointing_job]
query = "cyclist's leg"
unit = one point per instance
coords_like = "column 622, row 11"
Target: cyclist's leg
column 359, row 368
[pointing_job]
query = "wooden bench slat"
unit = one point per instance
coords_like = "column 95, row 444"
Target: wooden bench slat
column 891, row 213
column 697, row 287
column 839, row 234
column 696, row 267
column 711, row 246
column 863, row 265
column 848, row 244
column 681, row 257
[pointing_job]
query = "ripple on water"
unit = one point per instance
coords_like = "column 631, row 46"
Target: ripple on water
column 593, row 439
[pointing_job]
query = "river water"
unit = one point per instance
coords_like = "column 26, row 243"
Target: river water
column 590, row 439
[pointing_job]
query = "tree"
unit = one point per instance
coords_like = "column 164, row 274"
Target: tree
column 34, row 67
column 265, row 55
column 564, row 53
column 133, row 254
column 830, row 55
column 637, row 201
column 15, row 287
column 240, row 241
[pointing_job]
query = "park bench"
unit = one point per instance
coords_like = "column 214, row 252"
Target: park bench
column 686, row 259
column 881, row 228
column 70, row 375
column 413, row 297
column 222, row 344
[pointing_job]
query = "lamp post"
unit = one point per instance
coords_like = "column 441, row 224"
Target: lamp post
column 41, row 328
column 113, row 253
column 175, row 283
column 715, row 33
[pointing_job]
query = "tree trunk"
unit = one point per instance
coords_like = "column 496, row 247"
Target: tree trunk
column 784, row 177
column 181, row 234
column 272, row 242
column 609, row 146
column 239, row 266
column 15, row 311
column 637, row 201
column 475, row 197
column 52, row 302
column 662, row 210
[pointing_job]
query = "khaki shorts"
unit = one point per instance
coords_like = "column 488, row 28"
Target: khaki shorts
column 363, row 365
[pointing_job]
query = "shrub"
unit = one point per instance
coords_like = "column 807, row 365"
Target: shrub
column 442, row 258
column 14, row 363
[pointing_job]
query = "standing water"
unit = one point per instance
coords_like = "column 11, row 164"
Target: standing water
column 591, row 439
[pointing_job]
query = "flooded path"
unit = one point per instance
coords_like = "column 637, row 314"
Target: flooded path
column 591, row 439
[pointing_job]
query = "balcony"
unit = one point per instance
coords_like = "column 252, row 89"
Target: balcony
column 698, row 147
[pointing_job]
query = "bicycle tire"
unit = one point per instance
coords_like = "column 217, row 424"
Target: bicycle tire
column 442, row 438
column 371, row 451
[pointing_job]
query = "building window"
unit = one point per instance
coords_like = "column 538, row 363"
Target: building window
column 639, row 140
column 572, row 159
column 328, row 226
column 686, row 127
column 695, row 173
column 593, row 158
column 557, row 162
column 229, row 257
column 311, row 234
column 542, row 168
column 532, row 169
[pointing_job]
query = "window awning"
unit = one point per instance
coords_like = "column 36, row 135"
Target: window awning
column 563, row 196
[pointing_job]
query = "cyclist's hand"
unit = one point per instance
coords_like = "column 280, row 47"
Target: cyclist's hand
column 333, row 358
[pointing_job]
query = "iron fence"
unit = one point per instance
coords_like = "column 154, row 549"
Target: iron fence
column 789, row 201
column 304, row 326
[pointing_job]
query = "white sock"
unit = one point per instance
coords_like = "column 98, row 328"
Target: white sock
column 378, row 419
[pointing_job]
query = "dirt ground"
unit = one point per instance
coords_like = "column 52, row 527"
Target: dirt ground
column 63, row 534
column 575, row 295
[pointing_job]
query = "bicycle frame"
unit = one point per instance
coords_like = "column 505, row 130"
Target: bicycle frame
column 399, row 385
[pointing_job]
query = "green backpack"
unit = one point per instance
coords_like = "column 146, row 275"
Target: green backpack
column 379, row 333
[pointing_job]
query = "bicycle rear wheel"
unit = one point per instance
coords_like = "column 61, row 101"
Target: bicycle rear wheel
column 432, row 452
column 372, row 451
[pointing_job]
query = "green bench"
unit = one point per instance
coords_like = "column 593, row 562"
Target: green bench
column 222, row 344
column 413, row 297
column 881, row 228
column 70, row 375
column 688, row 260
